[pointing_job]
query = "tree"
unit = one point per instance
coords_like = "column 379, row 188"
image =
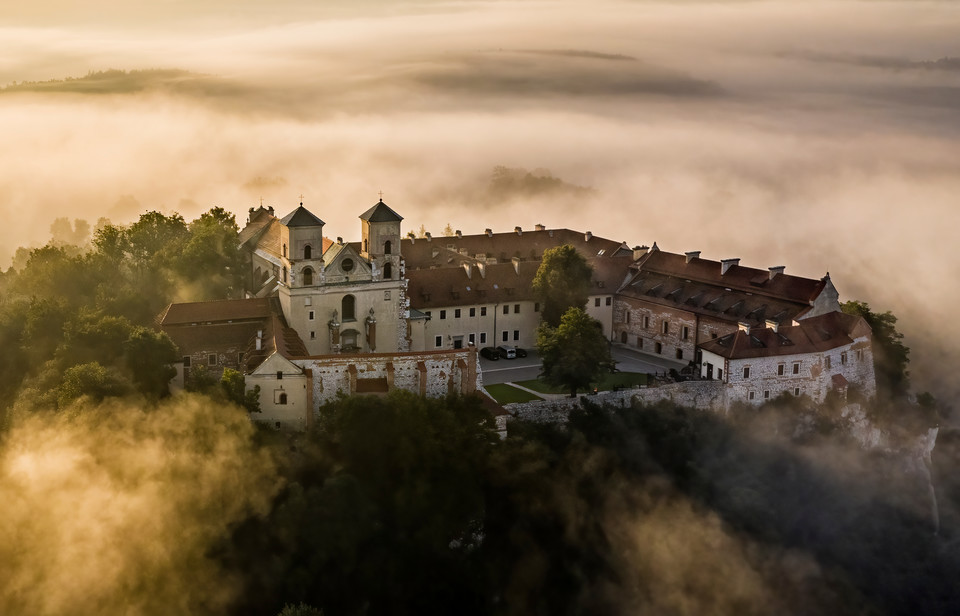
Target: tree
column 576, row 353
column 235, row 389
column 149, row 358
column 890, row 355
column 562, row 282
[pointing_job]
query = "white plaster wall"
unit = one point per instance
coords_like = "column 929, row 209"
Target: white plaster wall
column 493, row 324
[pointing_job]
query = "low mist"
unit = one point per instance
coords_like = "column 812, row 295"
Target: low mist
column 114, row 509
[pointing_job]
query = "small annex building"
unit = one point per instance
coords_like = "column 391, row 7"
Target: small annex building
column 818, row 354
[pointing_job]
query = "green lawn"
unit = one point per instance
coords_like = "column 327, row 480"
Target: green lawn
column 506, row 394
column 616, row 379
column 622, row 379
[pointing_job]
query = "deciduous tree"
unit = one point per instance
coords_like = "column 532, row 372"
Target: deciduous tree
column 562, row 282
column 576, row 353
column 890, row 355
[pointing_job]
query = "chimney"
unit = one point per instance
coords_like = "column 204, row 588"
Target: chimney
column 489, row 232
column 482, row 268
column 639, row 251
column 726, row 264
column 516, row 265
column 340, row 240
column 587, row 236
column 540, row 227
column 693, row 254
column 458, row 234
column 774, row 325
column 744, row 327
column 429, row 237
column 776, row 270
column 270, row 210
column 518, row 230
column 654, row 248
column 468, row 268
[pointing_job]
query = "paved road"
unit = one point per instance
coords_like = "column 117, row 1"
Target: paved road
column 523, row 369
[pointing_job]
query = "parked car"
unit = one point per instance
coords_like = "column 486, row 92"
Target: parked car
column 489, row 353
column 521, row 352
column 507, row 352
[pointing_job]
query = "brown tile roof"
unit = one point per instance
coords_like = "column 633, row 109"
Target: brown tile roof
column 502, row 283
column 748, row 279
column 224, row 323
column 742, row 294
column 423, row 254
column 449, row 286
column 216, row 311
column 813, row 335
column 277, row 337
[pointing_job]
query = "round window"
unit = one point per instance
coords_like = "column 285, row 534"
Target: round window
column 346, row 265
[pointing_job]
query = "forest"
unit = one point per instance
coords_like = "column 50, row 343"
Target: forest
column 120, row 498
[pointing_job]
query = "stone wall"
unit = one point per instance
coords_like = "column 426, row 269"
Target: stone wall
column 429, row 373
column 706, row 395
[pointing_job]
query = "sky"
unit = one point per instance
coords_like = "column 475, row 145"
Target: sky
column 822, row 136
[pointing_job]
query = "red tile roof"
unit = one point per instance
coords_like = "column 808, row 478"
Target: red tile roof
column 816, row 334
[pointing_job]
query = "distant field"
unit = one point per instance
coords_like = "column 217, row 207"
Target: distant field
column 507, row 394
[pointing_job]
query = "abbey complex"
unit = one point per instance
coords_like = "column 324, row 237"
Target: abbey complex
column 324, row 316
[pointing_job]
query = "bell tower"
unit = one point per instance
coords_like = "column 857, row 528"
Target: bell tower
column 380, row 228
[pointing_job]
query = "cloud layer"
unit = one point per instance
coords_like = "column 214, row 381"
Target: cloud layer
column 821, row 136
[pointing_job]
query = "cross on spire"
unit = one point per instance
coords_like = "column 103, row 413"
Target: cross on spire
column 301, row 198
column 381, row 196
column 261, row 201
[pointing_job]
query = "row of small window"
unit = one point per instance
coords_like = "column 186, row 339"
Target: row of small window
column 664, row 327
column 828, row 361
column 457, row 312
column 472, row 338
column 766, row 394
column 781, row 369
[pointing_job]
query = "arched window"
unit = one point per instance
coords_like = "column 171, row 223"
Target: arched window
column 307, row 276
column 284, row 275
column 307, row 252
column 386, row 247
column 623, row 337
column 284, row 251
column 364, row 245
column 349, row 308
column 387, row 271
column 282, row 399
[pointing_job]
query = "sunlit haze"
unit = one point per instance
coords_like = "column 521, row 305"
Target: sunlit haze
column 818, row 135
